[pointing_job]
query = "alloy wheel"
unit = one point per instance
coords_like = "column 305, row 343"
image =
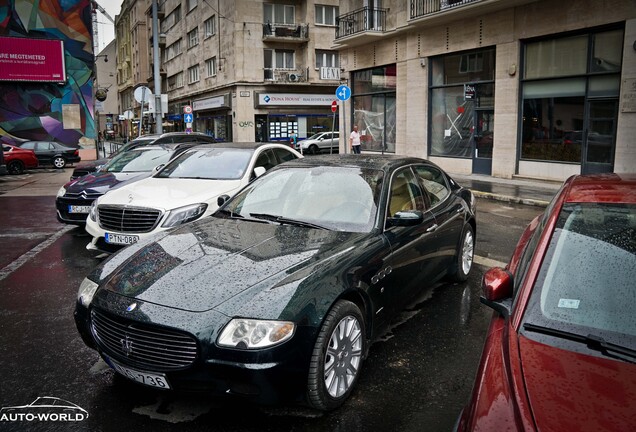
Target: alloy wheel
column 343, row 356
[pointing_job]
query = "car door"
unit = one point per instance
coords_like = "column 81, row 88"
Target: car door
column 448, row 209
column 44, row 151
column 412, row 247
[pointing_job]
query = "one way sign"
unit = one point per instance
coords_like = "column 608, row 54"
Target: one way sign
column 187, row 118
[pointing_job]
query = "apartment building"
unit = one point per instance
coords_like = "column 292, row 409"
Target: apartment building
column 531, row 88
column 249, row 70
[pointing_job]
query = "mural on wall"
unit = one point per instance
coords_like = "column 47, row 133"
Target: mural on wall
column 60, row 112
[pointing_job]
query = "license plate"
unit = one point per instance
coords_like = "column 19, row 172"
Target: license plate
column 121, row 239
column 149, row 379
column 79, row 209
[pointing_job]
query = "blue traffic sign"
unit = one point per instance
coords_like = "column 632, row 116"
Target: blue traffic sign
column 187, row 118
column 343, row 92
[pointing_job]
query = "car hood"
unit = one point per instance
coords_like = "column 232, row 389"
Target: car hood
column 571, row 391
column 90, row 164
column 101, row 182
column 208, row 264
column 166, row 193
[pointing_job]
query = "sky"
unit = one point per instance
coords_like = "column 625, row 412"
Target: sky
column 106, row 29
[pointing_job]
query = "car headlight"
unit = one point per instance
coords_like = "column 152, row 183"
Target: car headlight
column 93, row 212
column 86, row 292
column 61, row 192
column 251, row 333
column 184, row 214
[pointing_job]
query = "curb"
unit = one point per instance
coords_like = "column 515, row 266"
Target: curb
column 509, row 199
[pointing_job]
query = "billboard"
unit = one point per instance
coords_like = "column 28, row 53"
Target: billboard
column 35, row 60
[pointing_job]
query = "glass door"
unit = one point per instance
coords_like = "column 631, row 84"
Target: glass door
column 483, row 141
column 599, row 145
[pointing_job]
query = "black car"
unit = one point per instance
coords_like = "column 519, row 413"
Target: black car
column 74, row 199
column 153, row 139
column 278, row 295
column 52, row 153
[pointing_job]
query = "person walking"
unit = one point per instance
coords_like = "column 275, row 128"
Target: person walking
column 354, row 140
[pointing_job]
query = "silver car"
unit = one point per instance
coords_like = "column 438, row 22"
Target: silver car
column 320, row 141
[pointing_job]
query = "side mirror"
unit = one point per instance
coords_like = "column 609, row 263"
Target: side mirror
column 406, row 218
column 222, row 200
column 497, row 286
column 259, row 171
column 158, row 167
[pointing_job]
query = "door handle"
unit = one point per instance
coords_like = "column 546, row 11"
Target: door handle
column 432, row 228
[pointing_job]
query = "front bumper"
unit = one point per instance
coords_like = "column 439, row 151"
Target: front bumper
column 63, row 214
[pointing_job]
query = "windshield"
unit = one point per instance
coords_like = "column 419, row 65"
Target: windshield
column 586, row 284
column 315, row 136
column 140, row 160
column 209, row 163
column 337, row 198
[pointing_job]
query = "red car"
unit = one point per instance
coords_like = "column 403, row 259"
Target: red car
column 560, row 353
column 17, row 159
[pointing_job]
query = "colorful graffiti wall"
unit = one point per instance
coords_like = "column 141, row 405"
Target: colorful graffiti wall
column 50, row 111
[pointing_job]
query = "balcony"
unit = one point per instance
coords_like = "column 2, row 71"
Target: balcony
column 288, row 33
column 361, row 23
column 285, row 76
column 440, row 11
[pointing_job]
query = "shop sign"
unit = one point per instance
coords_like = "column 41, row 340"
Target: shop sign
column 329, row 73
column 469, row 92
column 294, row 99
column 210, row 103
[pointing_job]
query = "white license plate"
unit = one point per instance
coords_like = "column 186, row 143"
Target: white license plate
column 149, row 379
column 121, row 239
column 79, row 209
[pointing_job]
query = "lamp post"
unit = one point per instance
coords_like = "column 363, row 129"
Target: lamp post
column 98, row 95
column 156, row 72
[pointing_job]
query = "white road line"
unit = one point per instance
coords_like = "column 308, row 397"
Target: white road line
column 19, row 262
column 488, row 262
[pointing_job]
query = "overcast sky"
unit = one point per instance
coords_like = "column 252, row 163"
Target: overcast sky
column 105, row 28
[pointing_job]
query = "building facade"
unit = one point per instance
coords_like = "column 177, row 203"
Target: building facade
column 248, row 70
column 106, row 110
column 497, row 87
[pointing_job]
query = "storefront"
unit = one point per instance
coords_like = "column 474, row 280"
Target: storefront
column 213, row 117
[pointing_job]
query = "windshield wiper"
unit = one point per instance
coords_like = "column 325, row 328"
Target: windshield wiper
column 593, row 342
column 283, row 220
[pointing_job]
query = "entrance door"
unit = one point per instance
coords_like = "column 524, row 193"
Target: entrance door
column 260, row 128
column 483, row 141
column 599, row 145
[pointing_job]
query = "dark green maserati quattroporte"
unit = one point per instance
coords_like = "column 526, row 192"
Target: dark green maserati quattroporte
column 278, row 295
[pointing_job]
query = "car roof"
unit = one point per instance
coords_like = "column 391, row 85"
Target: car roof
column 240, row 145
column 602, row 188
column 366, row 161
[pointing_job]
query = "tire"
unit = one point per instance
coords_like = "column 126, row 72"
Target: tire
column 15, row 167
column 337, row 357
column 464, row 257
column 59, row 162
column 313, row 149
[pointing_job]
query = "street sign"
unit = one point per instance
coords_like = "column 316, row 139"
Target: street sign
column 142, row 94
column 334, row 106
column 187, row 118
column 343, row 92
column 187, row 109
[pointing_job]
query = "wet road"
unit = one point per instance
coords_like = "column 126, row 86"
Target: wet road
column 416, row 378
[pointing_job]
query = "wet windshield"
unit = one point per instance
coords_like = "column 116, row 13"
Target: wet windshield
column 139, row 160
column 337, row 198
column 586, row 284
column 209, row 163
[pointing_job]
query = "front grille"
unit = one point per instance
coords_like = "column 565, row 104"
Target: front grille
column 128, row 219
column 76, row 200
column 142, row 346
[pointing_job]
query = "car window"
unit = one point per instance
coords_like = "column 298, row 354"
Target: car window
column 405, row 193
column 284, row 155
column 28, row 145
column 138, row 160
column 266, row 159
column 434, row 182
column 209, row 163
column 586, row 281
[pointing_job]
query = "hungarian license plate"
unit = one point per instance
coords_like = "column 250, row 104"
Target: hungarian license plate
column 121, row 239
column 79, row 209
column 149, row 379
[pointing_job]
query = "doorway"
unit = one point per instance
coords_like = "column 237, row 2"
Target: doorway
column 600, row 137
column 483, row 141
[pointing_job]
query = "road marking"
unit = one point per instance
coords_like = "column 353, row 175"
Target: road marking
column 19, row 262
column 488, row 262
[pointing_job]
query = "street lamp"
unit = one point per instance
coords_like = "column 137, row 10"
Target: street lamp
column 99, row 94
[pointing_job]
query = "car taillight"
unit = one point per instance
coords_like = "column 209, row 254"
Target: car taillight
column 76, row 153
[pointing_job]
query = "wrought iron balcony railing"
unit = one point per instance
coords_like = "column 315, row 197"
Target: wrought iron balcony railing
column 420, row 8
column 361, row 20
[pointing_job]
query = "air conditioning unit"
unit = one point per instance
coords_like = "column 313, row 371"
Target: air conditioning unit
column 294, row 77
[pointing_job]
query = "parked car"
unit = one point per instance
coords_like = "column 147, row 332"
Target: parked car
column 320, row 141
column 18, row 159
column 560, row 353
column 52, row 153
column 152, row 139
column 184, row 190
column 74, row 199
column 278, row 295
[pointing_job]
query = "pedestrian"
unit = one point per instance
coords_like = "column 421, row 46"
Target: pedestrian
column 354, row 140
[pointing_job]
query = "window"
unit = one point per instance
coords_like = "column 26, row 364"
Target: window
column 277, row 59
column 192, row 4
column 326, row 59
column 173, row 18
column 434, row 184
column 193, row 38
column 175, row 81
column 210, row 67
column 173, row 50
column 278, row 13
column 405, row 193
column 193, row 74
column 326, row 15
column 209, row 26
